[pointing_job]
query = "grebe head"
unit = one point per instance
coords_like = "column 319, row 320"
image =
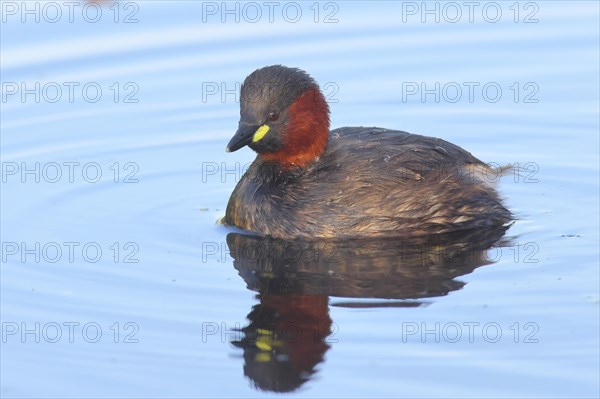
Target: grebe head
column 283, row 116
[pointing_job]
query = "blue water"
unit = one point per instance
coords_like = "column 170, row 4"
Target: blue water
column 117, row 281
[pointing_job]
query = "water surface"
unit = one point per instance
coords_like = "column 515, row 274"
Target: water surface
column 168, row 308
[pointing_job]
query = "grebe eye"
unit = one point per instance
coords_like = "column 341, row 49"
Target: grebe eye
column 273, row 116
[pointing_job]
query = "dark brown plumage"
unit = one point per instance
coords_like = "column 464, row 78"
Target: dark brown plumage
column 361, row 182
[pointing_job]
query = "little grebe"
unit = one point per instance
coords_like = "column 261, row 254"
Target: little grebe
column 308, row 182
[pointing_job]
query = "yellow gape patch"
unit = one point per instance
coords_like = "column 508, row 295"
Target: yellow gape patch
column 260, row 133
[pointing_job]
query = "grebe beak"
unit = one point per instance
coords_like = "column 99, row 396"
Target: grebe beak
column 242, row 137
